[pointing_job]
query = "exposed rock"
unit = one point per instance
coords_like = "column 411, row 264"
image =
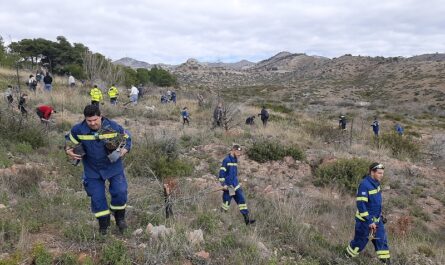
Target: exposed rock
column 2, row 206
column 196, row 237
column 49, row 187
column 138, row 232
column 203, row 254
column 264, row 251
column 142, row 245
column 157, row 232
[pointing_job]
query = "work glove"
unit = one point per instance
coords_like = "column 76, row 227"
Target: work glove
column 114, row 156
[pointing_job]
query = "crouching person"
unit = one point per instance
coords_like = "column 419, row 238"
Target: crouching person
column 96, row 137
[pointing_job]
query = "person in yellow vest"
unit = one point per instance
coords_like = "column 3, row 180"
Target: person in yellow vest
column 96, row 95
column 113, row 92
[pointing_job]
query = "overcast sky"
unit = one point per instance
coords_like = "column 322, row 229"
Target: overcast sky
column 171, row 31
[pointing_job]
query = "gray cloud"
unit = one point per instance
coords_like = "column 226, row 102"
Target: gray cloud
column 172, row 31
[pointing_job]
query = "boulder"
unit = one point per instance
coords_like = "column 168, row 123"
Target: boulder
column 196, row 237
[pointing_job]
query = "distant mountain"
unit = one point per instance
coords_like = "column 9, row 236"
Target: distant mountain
column 286, row 61
column 130, row 62
column 241, row 65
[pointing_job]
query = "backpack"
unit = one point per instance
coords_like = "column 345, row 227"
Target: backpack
column 34, row 82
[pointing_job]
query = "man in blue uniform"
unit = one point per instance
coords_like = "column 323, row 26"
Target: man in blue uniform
column 103, row 143
column 228, row 177
column 369, row 223
column 375, row 127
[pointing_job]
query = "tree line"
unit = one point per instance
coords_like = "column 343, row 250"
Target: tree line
column 63, row 58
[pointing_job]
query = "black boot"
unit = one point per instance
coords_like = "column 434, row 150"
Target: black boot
column 119, row 216
column 247, row 220
column 104, row 223
column 385, row 261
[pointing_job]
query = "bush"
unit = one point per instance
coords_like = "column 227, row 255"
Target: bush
column 267, row 150
column 14, row 128
column 343, row 173
column 41, row 256
column 206, row 221
column 25, row 181
column 323, row 130
column 160, row 156
column 115, row 253
column 400, row 146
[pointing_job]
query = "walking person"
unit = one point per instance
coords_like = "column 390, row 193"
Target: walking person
column 369, row 222
column 264, row 114
column 103, row 143
column 48, row 80
column 113, row 92
column 228, row 177
column 185, row 116
column 96, row 95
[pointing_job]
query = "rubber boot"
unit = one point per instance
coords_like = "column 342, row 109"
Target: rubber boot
column 104, row 223
column 119, row 216
column 247, row 220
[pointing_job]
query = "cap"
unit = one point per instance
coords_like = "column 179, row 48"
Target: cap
column 236, row 147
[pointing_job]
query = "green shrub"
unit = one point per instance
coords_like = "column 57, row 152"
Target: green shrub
column 278, row 108
column 343, row 173
column 206, row 221
column 23, row 148
column 115, row 253
column 67, row 259
column 267, row 150
column 41, row 256
column 25, row 181
column 16, row 129
column 324, row 130
column 159, row 157
column 401, row 147
column 189, row 141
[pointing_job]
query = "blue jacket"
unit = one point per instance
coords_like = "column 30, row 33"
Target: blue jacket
column 185, row 114
column 228, row 172
column 369, row 201
column 375, row 126
column 95, row 162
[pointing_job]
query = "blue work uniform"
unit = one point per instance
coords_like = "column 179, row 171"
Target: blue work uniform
column 375, row 128
column 369, row 210
column 228, row 175
column 98, row 168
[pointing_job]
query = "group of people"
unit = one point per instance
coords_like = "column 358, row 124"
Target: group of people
column 92, row 142
column 170, row 96
column 46, row 79
column 375, row 126
column 264, row 115
column 113, row 94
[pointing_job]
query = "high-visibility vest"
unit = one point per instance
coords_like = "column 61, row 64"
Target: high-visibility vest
column 113, row 92
column 96, row 94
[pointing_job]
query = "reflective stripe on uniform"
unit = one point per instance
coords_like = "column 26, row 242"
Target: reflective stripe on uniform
column 238, row 186
column 383, row 254
column 102, row 213
column 223, row 168
column 225, row 206
column 232, row 164
column 242, row 206
column 118, row 207
column 371, row 192
column 89, row 137
column 73, row 139
column 375, row 219
column 352, row 252
column 222, row 179
column 365, row 199
column 361, row 215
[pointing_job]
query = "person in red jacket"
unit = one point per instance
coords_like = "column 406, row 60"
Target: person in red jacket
column 44, row 112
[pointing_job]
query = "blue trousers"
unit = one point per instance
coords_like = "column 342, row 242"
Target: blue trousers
column 95, row 189
column 239, row 199
column 360, row 240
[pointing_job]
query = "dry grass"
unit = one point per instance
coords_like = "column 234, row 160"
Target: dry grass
column 302, row 225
